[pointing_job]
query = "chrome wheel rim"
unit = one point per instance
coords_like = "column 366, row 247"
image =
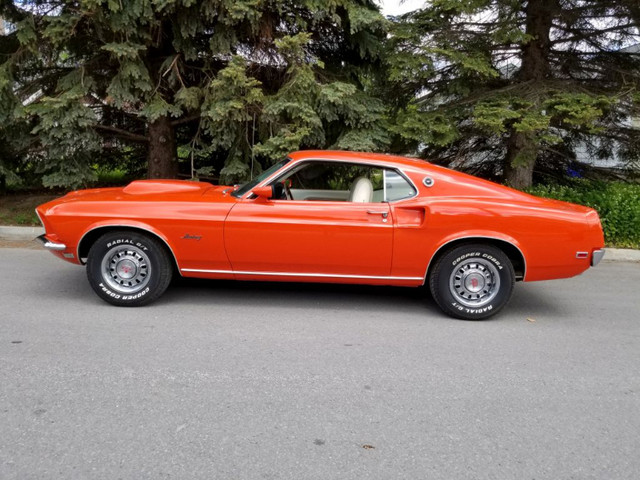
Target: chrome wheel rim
column 126, row 269
column 474, row 282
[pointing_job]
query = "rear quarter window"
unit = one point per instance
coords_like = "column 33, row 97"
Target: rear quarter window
column 397, row 187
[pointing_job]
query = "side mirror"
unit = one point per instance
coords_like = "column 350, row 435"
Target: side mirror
column 263, row 193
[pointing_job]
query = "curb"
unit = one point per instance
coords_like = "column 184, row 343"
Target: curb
column 621, row 255
column 26, row 234
column 20, row 234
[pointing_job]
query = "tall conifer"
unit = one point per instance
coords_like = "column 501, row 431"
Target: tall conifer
column 236, row 80
column 502, row 84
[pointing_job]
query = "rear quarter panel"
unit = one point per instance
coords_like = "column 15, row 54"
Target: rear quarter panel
column 458, row 206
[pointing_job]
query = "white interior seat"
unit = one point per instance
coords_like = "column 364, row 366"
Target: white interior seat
column 361, row 190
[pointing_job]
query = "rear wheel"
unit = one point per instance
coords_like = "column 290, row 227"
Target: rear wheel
column 127, row 268
column 472, row 281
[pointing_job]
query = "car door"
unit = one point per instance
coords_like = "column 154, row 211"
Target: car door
column 310, row 238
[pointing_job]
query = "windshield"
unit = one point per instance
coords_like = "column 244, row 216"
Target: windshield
column 268, row 172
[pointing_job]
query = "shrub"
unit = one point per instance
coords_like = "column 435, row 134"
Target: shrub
column 617, row 203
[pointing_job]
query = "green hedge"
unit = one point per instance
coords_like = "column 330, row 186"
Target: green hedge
column 617, row 203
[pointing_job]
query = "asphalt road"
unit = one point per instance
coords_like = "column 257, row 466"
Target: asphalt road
column 223, row 380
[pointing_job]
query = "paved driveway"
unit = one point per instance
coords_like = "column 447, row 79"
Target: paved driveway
column 222, row 380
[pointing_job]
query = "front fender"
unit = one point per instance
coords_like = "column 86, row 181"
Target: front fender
column 96, row 229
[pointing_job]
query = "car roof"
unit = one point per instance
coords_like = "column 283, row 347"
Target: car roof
column 358, row 156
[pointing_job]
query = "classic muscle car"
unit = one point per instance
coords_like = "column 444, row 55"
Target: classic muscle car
column 326, row 216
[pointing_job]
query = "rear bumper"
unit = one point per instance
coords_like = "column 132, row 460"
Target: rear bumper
column 597, row 256
column 49, row 245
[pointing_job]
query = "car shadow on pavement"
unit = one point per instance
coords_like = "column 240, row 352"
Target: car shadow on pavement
column 529, row 300
column 298, row 295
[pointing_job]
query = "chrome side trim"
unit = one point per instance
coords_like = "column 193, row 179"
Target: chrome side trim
column 524, row 259
column 49, row 245
column 597, row 256
column 310, row 275
column 135, row 227
column 384, row 184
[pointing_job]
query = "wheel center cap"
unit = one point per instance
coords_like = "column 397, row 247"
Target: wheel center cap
column 126, row 269
column 474, row 282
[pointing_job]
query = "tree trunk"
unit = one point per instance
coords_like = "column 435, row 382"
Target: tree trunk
column 162, row 157
column 520, row 160
column 521, row 148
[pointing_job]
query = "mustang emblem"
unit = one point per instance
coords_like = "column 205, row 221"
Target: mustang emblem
column 191, row 237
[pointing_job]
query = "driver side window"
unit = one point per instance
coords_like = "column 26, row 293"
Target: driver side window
column 332, row 181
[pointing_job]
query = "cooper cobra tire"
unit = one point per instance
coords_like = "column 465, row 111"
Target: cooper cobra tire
column 127, row 268
column 472, row 281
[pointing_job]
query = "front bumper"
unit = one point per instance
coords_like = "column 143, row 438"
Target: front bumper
column 49, row 245
column 597, row 256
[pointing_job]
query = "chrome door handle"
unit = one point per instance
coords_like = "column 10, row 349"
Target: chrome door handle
column 375, row 212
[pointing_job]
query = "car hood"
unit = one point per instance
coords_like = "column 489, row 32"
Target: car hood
column 144, row 190
column 148, row 189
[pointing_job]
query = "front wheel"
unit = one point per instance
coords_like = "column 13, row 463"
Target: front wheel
column 127, row 268
column 472, row 281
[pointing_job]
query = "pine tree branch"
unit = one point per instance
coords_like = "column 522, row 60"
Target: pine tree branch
column 188, row 119
column 587, row 34
column 122, row 133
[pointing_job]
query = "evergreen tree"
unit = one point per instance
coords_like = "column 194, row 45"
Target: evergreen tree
column 506, row 84
column 237, row 80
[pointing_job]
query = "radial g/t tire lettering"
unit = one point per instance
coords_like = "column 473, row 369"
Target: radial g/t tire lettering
column 127, row 268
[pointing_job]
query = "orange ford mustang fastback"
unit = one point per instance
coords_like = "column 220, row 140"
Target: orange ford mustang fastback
column 323, row 216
